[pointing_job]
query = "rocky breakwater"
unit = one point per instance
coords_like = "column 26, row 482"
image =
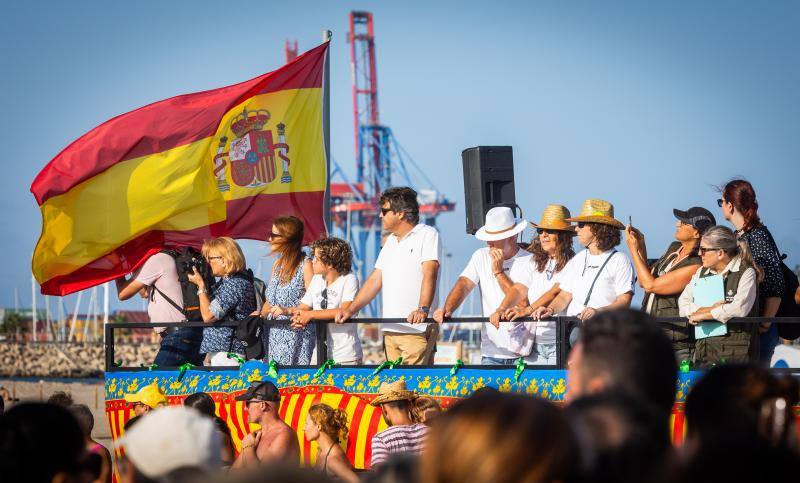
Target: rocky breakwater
column 67, row 360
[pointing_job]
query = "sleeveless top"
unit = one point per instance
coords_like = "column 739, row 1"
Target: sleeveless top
column 289, row 346
column 667, row 305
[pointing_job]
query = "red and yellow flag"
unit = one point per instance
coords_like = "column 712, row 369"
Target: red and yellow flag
column 220, row 162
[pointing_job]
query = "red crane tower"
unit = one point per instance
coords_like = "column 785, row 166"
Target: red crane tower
column 380, row 159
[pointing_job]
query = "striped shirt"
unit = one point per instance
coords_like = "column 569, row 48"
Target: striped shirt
column 408, row 438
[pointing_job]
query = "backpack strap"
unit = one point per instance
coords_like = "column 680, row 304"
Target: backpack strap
column 172, row 302
column 591, row 288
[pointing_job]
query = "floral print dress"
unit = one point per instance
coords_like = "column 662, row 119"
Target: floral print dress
column 288, row 346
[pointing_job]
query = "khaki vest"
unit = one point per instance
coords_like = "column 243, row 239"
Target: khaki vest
column 667, row 305
column 732, row 284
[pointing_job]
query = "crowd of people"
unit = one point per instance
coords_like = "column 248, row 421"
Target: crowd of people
column 614, row 426
column 521, row 285
column 622, row 365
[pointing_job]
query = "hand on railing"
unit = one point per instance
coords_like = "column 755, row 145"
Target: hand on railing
column 417, row 316
column 343, row 315
column 496, row 317
column 276, row 310
column 515, row 313
column 440, row 315
column 542, row 313
column 301, row 318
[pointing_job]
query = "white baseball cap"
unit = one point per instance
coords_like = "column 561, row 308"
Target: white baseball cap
column 172, row 437
column 500, row 224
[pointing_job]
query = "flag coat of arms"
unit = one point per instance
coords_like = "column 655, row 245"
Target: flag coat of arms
column 221, row 162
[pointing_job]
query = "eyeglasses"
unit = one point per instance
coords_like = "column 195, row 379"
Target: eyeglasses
column 703, row 250
column 720, row 201
column 324, row 303
column 213, row 258
column 274, row 235
column 542, row 231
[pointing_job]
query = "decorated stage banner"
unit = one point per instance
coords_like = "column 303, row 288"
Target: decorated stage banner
column 350, row 389
column 220, row 162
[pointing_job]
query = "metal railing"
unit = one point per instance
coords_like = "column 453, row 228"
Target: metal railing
column 562, row 324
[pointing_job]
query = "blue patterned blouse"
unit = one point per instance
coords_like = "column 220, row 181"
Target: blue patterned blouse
column 234, row 298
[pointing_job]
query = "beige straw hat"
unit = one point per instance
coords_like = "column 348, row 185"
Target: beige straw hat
column 393, row 391
column 598, row 211
column 554, row 218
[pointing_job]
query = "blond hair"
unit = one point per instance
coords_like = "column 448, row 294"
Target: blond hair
column 229, row 250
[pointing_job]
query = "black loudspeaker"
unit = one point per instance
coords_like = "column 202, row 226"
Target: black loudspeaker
column 488, row 182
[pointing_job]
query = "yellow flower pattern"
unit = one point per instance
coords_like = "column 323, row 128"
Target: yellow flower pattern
column 434, row 382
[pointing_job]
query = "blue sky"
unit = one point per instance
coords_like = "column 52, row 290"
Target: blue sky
column 647, row 106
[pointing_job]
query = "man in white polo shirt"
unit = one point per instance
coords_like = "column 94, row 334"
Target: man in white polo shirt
column 494, row 269
column 406, row 272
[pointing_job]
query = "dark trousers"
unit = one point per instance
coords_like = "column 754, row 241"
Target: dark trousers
column 180, row 345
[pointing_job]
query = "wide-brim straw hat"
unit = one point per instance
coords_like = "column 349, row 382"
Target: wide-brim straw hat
column 555, row 218
column 598, row 211
column 500, row 224
column 393, row 391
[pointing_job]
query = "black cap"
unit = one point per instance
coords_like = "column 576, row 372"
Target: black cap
column 698, row 217
column 261, row 391
column 248, row 332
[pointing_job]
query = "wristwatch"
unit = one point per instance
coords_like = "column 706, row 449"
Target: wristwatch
column 201, row 291
column 424, row 308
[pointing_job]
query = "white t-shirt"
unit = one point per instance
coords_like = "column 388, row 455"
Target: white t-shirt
column 497, row 342
column 343, row 342
column 539, row 284
column 616, row 279
column 160, row 270
column 400, row 263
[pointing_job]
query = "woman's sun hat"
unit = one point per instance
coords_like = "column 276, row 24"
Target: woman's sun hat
column 598, row 211
column 555, row 218
column 500, row 224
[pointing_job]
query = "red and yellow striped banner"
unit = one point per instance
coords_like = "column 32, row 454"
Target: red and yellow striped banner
column 364, row 420
column 220, row 162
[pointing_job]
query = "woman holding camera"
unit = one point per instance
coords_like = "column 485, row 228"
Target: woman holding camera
column 234, row 298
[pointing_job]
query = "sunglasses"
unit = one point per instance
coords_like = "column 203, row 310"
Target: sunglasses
column 720, row 202
column 542, row 231
column 274, row 235
column 581, row 224
column 324, row 303
column 703, row 250
column 385, row 210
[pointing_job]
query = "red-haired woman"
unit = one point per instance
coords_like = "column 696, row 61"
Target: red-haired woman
column 291, row 274
column 740, row 208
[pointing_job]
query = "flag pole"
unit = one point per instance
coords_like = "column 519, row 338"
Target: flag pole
column 326, row 130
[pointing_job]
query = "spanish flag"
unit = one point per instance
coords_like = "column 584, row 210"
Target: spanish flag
column 220, row 162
